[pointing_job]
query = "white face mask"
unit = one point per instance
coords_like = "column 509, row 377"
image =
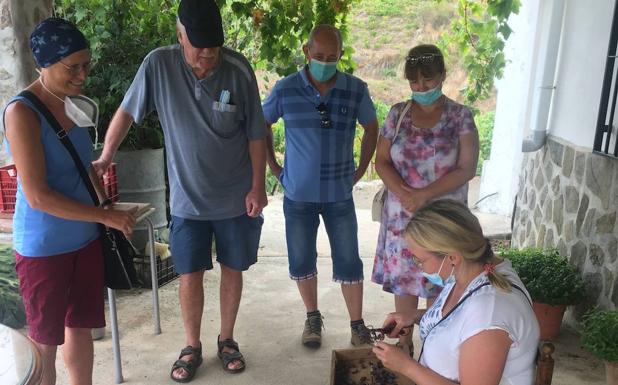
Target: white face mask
column 82, row 110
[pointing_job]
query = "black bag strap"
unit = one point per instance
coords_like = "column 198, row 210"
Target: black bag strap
column 65, row 140
column 462, row 301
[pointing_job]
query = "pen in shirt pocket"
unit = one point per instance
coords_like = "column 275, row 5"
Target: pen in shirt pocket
column 224, row 98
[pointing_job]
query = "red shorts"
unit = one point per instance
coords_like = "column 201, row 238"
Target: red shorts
column 62, row 290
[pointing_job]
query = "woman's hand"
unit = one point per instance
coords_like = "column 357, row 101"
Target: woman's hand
column 398, row 321
column 120, row 220
column 392, row 357
column 413, row 198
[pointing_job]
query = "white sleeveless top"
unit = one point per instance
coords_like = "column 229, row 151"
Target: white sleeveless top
column 488, row 308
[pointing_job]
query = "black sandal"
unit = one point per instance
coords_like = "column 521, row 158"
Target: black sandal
column 228, row 358
column 190, row 366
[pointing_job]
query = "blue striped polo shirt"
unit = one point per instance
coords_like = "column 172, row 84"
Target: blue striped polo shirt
column 319, row 162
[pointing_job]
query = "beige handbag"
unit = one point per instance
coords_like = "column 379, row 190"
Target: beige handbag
column 378, row 200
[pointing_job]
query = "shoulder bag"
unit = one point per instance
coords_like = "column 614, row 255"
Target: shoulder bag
column 378, row 200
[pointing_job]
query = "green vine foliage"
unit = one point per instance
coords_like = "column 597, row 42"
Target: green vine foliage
column 478, row 37
column 122, row 32
column 12, row 312
column 600, row 334
column 548, row 276
column 280, row 27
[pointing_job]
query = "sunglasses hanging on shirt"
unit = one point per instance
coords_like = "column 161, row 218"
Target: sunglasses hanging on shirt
column 323, row 111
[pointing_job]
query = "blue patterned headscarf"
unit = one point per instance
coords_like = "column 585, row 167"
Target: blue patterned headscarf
column 54, row 39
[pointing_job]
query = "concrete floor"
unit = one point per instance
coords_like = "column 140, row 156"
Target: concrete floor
column 268, row 329
column 271, row 319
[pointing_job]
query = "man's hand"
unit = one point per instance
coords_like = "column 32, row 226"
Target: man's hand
column 100, row 166
column 358, row 175
column 276, row 169
column 414, row 198
column 392, row 357
column 255, row 201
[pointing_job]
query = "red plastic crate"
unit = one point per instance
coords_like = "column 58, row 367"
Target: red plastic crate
column 8, row 186
column 110, row 183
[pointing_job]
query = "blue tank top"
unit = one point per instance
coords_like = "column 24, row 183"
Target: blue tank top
column 36, row 233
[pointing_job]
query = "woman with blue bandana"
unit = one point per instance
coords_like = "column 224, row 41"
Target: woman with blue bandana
column 56, row 235
column 427, row 150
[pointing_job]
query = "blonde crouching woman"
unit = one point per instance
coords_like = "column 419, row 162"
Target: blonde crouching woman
column 481, row 329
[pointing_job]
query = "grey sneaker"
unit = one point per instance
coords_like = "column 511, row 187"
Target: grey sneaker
column 312, row 334
column 360, row 336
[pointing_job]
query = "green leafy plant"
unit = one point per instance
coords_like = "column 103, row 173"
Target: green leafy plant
column 600, row 334
column 276, row 29
column 549, row 277
column 485, row 125
column 478, row 36
column 122, row 32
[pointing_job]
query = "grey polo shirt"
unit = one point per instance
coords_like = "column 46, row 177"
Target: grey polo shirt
column 206, row 141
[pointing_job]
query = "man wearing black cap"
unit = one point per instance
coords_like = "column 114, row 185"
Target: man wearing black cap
column 207, row 101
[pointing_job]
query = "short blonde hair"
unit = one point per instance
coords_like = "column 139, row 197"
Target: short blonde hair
column 446, row 226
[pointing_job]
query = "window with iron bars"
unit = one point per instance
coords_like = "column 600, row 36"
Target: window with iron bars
column 606, row 137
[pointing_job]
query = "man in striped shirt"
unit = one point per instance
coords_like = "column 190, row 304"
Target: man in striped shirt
column 320, row 107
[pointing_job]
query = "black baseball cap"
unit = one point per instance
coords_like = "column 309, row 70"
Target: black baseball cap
column 202, row 21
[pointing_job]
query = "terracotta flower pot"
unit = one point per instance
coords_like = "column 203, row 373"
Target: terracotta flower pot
column 611, row 373
column 550, row 319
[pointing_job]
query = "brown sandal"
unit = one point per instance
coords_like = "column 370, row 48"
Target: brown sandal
column 228, row 358
column 190, row 366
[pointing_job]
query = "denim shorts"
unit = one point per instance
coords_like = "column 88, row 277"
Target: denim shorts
column 237, row 240
column 301, row 228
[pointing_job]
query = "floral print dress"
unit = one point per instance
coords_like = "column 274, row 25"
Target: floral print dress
column 421, row 156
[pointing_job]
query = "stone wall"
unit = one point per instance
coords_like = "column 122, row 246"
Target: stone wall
column 568, row 199
column 17, row 20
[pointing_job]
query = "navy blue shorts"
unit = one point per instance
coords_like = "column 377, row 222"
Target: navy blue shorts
column 237, row 240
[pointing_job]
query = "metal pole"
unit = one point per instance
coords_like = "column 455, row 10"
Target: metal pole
column 111, row 297
column 154, row 278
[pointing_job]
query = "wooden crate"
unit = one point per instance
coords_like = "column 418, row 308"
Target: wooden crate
column 361, row 359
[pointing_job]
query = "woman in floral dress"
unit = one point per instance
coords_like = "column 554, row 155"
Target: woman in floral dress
column 433, row 155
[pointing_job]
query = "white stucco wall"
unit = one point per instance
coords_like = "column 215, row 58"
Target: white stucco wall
column 499, row 177
column 579, row 79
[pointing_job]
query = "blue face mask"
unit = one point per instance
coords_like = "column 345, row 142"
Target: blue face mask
column 435, row 278
column 428, row 97
column 322, row 71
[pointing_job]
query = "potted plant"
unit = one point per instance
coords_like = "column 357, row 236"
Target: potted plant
column 553, row 284
column 600, row 337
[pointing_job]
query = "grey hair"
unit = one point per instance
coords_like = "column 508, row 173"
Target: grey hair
column 180, row 26
column 325, row 28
